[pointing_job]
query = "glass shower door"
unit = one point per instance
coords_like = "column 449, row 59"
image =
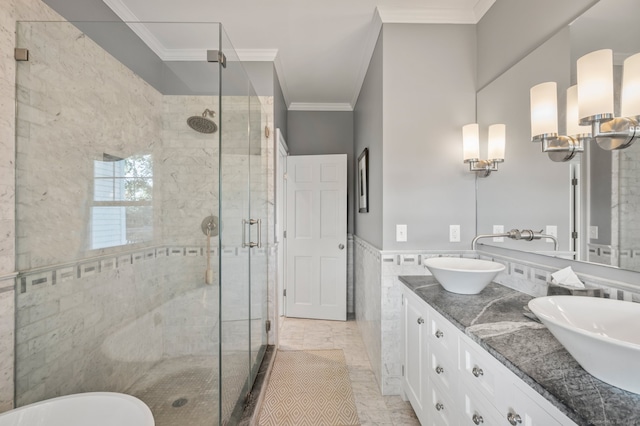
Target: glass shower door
column 243, row 253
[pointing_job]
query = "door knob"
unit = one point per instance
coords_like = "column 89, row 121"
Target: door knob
column 341, row 246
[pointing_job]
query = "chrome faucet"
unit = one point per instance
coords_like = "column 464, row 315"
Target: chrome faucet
column 514, row 234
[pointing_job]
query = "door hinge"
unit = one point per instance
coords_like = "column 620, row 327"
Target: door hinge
column 267, row 325
column 574, row 181
column 284, row 234
column 403, row 371
column 284, row 293
column 285, row 176
column 574, row 234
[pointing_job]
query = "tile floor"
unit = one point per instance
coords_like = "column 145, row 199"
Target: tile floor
column 373, row 408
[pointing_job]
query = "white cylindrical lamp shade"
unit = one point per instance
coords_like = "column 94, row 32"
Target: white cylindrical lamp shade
column 544, row 109
column 630, row 98
column 573, row 120
column 470, row 142
column 595, row 83
column 496, row 141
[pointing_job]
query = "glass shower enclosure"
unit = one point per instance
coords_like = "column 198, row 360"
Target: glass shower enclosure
column 142, row 205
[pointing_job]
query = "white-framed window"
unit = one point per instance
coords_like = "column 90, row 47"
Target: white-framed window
column 122, row 208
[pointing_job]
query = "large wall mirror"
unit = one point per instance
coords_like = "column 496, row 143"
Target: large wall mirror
column 591, row 202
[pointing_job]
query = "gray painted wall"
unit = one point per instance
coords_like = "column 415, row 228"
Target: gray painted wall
column 279, row 106
column 367, row 129
column 511, row 29
column 429, row 94
column 322, row 133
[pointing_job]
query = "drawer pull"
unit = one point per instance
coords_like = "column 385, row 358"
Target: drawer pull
column 439, row 334
column 420, row 320
column 439, row 406
column 477, row 372
column 514, row 419
column 477, row 419
column 439, row 370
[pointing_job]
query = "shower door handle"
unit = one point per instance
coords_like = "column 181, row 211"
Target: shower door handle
column 244, row 234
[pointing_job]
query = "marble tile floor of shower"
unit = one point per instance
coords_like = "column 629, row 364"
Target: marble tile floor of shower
column 373, row 408
column 183, row 391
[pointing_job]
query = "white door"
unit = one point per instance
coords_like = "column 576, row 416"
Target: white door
column 316, row 237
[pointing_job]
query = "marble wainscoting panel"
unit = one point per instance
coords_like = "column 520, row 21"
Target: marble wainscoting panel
column 351, row 309
column 367, row 288
column 378, row 304
column 533, row 279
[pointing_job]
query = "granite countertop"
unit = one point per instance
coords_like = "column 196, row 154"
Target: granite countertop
column 494, row 319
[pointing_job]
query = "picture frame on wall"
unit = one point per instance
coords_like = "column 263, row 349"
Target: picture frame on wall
column 363, row 181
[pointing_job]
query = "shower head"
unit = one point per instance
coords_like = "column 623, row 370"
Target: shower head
column 200, row 123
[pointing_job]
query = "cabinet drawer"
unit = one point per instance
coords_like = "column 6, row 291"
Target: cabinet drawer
column 441, row 408
column 523, row 409
column 478, row 371
column 442, row 333
column 443, row 370
column 477, row 411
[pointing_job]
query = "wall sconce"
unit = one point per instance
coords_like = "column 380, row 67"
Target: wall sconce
column 471, row 148
column 589, row 107
column 595, row 99
column 544, row 122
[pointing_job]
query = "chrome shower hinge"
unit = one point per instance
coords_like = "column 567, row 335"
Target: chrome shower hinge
column 21, row 54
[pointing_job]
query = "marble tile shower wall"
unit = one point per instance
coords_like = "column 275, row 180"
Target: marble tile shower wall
column 75, row 103
column 11, row 11
column 379, row 300
column 99, row 325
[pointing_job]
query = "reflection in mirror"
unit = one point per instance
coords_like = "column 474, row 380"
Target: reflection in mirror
column 612, row 194
column 594, row 213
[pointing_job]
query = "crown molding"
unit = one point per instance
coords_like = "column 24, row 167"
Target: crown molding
column 257, row 55
column 307, row 106
column 482, row 7
column 427, row 16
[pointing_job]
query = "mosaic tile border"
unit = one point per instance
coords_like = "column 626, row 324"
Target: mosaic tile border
column 34, row 279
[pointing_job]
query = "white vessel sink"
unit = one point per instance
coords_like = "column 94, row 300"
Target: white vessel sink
column 601, row 334
column 463, row 276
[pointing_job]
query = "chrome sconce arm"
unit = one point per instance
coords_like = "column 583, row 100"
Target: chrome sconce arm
column 561, row 148
column 483, row 167
column 611, row 132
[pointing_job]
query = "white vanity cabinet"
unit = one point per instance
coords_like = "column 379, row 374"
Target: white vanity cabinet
column 415, row 359
column 450, row 380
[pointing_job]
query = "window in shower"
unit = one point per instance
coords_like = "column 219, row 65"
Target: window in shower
column 122, row 210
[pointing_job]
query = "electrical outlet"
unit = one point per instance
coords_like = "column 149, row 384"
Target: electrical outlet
column 553, row 231
column 498, row 229
column 454, row 233
column 401, row 233
column 593, row 232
